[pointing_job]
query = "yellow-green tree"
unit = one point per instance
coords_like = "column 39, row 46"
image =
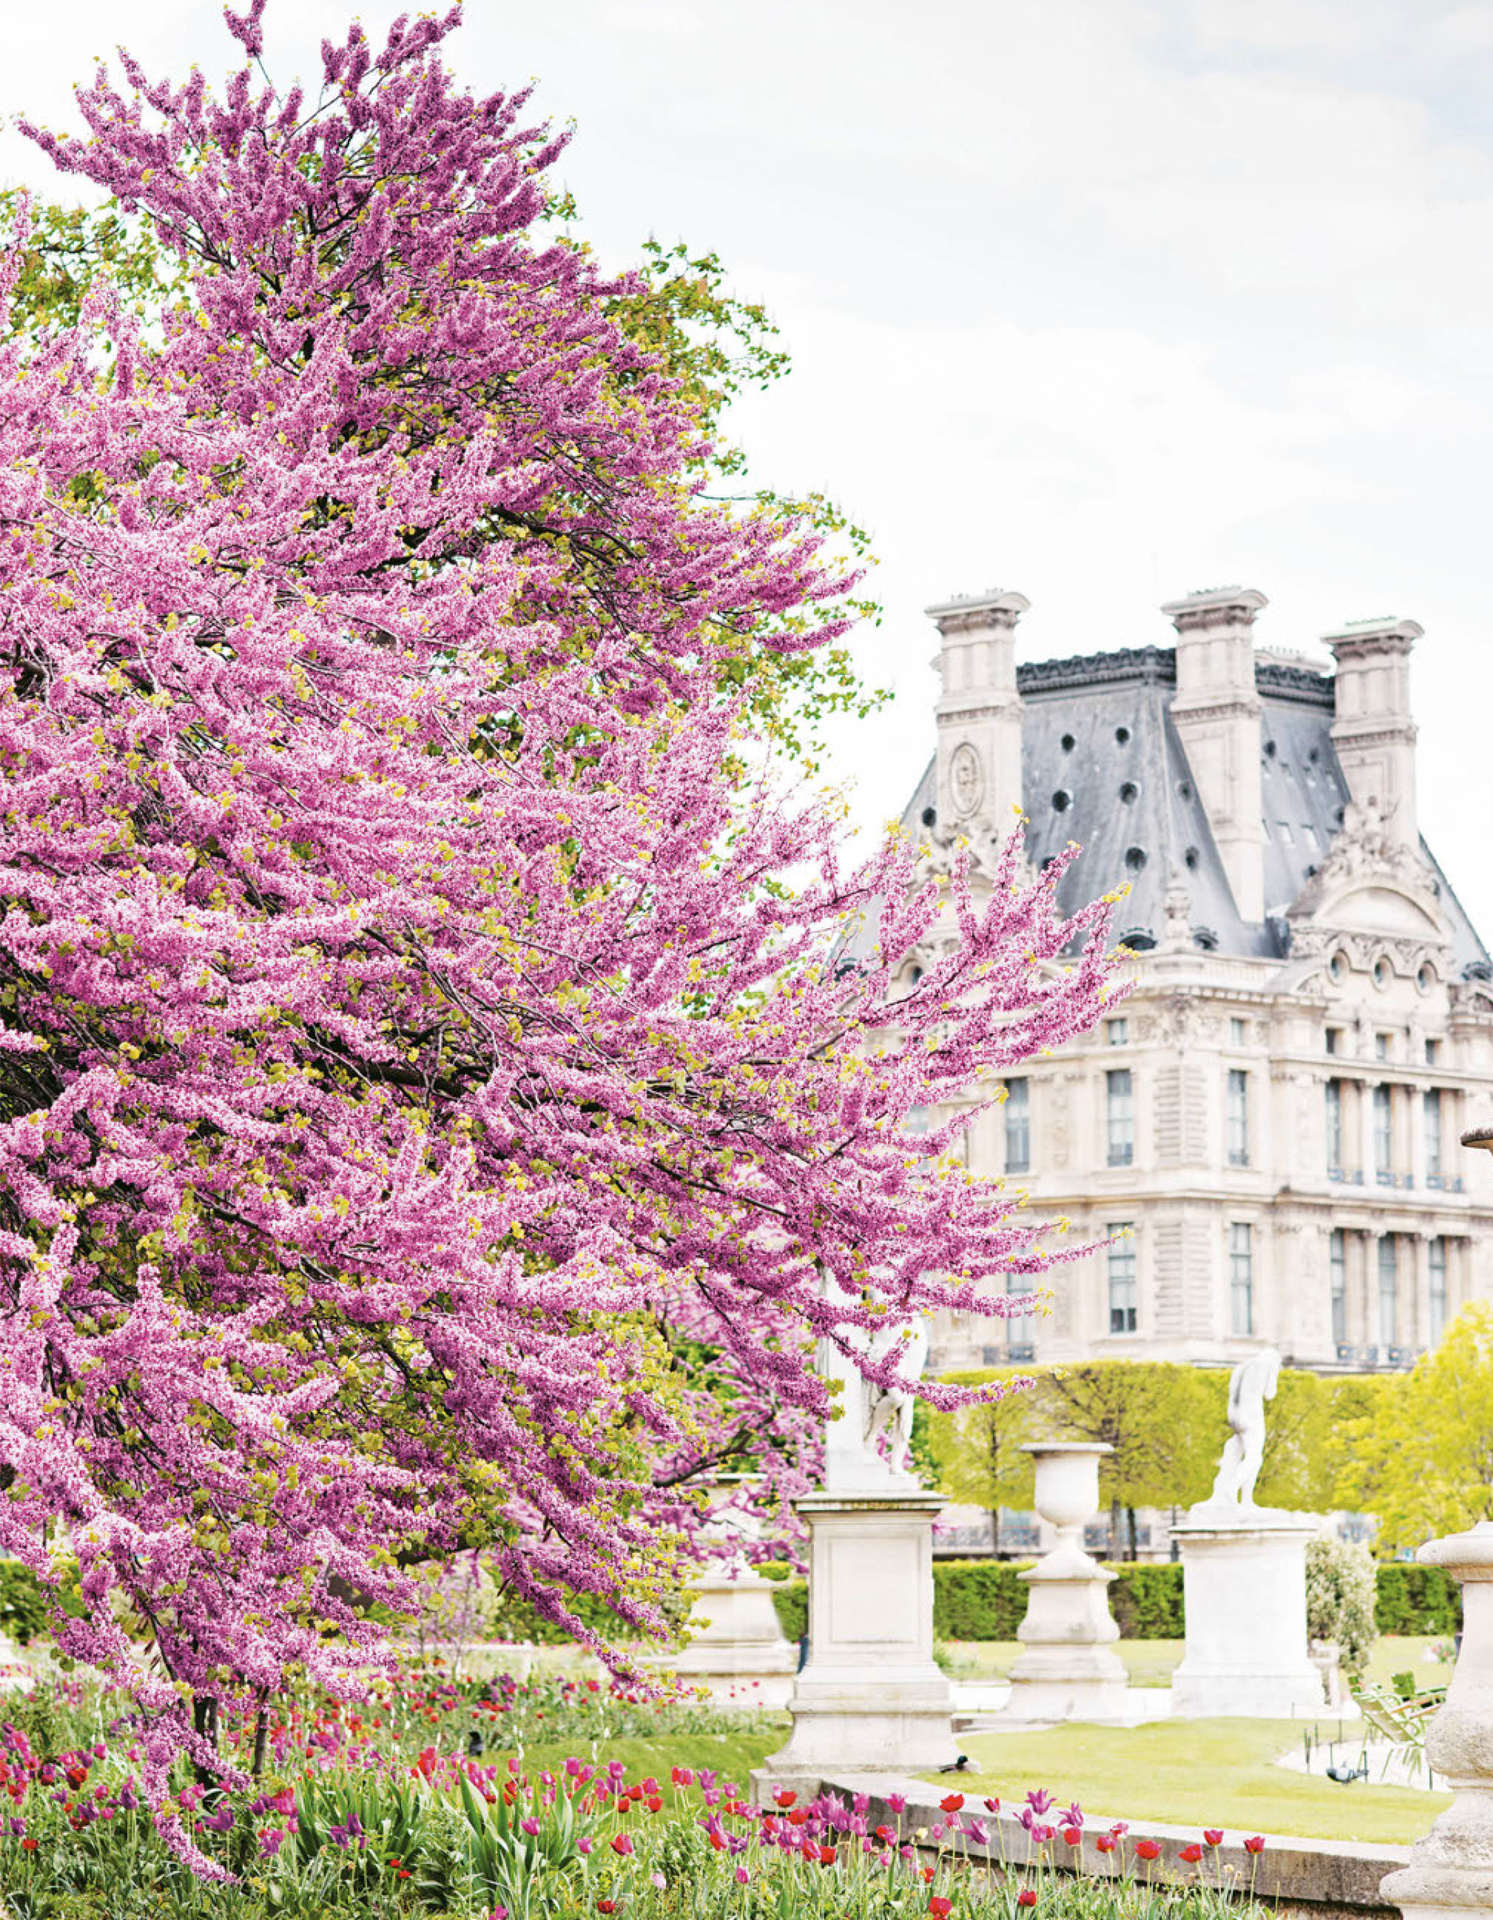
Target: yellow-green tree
column 1164, row 1421
column 977, row 1449
column 1296, row 1471
column 1418, row 1450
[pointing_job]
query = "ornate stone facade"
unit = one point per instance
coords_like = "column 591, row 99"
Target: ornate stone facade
column 1272, row 1115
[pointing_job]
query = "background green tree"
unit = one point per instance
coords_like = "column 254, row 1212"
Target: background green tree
column 1417, row 1450
column 1164, row 1421
column 977, row 1449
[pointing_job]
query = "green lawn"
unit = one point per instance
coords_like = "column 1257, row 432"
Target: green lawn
column 1216, row 1773
column 1150, row 1663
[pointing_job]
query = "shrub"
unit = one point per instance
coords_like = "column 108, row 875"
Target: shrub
column 1412, row 1599
column 1340, row 1599
column 978, row 1599
column 791, row 1599
column 23, row 1608
column 1147, row 1601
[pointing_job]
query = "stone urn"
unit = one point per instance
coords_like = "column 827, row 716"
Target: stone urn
column 1067, row 1668
column 1451, row 1870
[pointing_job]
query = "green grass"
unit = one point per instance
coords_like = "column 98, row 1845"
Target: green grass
column 1216, row 1773
column 1151, row 1663
column 732, row 1755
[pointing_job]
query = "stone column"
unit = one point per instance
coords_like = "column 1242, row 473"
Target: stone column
column 1420, row 1259
column 1450, row 1872
column 1067, row 1668
column 870, row 1696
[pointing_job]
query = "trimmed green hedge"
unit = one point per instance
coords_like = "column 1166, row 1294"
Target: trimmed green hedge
column 1412, row 1599
column 986, row 1599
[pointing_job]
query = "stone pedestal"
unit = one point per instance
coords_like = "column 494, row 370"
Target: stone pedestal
column 735, row 1627
column 1450, row 1873
column 1244, row 1586
column 1067, row 1669
column 870, row 1696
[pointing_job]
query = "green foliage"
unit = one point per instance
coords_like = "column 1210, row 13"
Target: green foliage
column 1295, row 1472
column 978, row 1599
column 1165, row 1423
column 986, row 1599
column 1147, row 1601
column 1419, row 1451
column 1412, row 1599
column 23, row 1606
column 791, row 1604
column 1340, row 1600
column 69, row 248
column 507, row 1863
column 976, row 1450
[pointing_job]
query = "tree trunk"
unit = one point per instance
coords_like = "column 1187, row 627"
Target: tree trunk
column 1131, row 1553
column 261, row 1737
column 205, row 1722
column 1116, row 1531
column 995, row 1532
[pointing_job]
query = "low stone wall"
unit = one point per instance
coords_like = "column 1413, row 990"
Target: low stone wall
column 1322, row 1875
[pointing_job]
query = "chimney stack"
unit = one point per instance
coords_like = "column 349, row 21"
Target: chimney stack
column 1216, row 711
column 979, row 712
column 1373, row 732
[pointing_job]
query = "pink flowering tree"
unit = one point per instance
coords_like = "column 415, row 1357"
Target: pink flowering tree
column 430, row 1105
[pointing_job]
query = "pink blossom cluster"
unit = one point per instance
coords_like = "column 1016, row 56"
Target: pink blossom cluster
column 430, row 1106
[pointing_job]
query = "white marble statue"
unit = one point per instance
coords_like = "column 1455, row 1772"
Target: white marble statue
column 892, row 1408
column 1251, row 1384
column 853, row 1454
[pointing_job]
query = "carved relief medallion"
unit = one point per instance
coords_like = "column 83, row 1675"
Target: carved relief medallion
column 966, row 781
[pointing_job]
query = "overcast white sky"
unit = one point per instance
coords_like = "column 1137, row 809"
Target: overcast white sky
column 1099, row 300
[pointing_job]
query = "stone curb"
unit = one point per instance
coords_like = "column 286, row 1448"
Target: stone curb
column 1291, row 1871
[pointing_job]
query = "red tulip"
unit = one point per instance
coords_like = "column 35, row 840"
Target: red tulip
column 1213, row 1835
column 952, row 1802
column 1255, row 1843
column 1191, row 1854
column 939, row 1905
column 1027, row 1897
column 1148, row 1849
column 826, row 1856
column 784, row 1797
column 1073, row 1835
column 1105, row 1842
column 621, row 1843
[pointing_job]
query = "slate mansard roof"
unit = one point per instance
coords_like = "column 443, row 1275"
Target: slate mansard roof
column 1102, row 764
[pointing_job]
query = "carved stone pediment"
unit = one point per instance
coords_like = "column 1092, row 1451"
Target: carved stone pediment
column 1371, row 890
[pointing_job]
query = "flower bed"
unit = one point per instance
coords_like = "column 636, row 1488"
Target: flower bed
column 413, row 1804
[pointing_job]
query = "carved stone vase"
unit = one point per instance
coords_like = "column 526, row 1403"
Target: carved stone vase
column 1067, row 1667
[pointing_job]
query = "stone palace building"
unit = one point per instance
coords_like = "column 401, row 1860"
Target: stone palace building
column 1274, row 1112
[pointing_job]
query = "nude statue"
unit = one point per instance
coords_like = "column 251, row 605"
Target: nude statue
column 853, row 1457
column 892, row 1408
column 1251, row 1384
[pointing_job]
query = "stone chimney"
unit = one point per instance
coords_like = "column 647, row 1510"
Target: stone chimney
column 979, row 712
column 1373, row 732
column 1217, row 714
